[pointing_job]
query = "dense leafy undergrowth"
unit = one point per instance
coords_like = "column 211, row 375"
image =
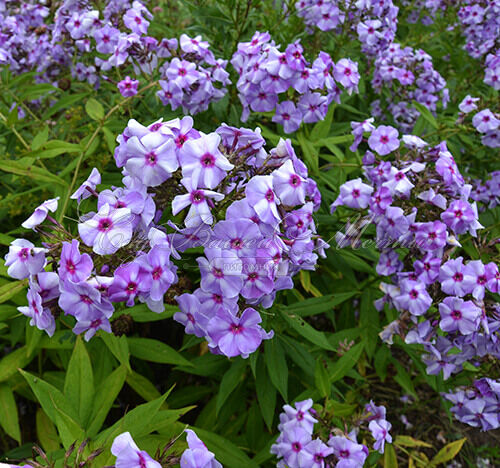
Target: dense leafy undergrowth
column 250, row 233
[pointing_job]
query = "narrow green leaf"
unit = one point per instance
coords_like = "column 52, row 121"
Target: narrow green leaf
column 119, row 348
column 36, row 173
column 108, row 390
column 229, row 382
column 277, row 368
column 448, row 452
column 155, row 351
column 11, row 289
column 426, row 114
column 266, row 393
column 79, row 381
column 322, row 128
column 8, row 413
column 390, row 460
column 40, row 138
column 321, row 379
column 346, row 363
column 14, row 360
column 46, row 432
column 142, row 386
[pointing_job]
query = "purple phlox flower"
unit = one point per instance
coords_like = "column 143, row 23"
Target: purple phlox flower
column 493, row 273
column 485, row 121
column 261, row 197
column 481, row 274
column 288, row 185
column 182, row 72
column 41, row 213
column 24, row 259
column 88, row 187
column 82, row 299
column 468, row 104
column 46, row 284
column 235, row 336
column 162, row 270
column 477, row 413
column 413, row 297
column 438, row 360
column 384, row 140
column 182, row 132
column 240, row 235
column 191, row 315
column 374, row 412
column 288, row 116
column 314, row 107
column 129, row 281
column 421, row 334
column 414, row 142
column 345, row 72
column 193, row 45
column 134, row 20
column 380, row 432
column 106, row 39
column 152, row 158
column 41, row 317
column 107, row 230
column 353, row 194
column 197, row 454
column 455, row 278
column 221, row 272
column 459, row 216
column 128, row 455
column 94, row 321
column 393, row 223
column 431, row 236
column 291, row 443
column 213, row 302
column 128, row 87
column 447, row 168
column 427, row 268
column 358, row 129
column 389, row 263
column 398, row 183
column 258, row 277
column 431, row 196
column 459, row 315
column 380, row 200
column 186, row 238
column 349, row 453
column 202, row 161
column 314, row 454
column 300, row 416
column 197, row 198
column 73, row 265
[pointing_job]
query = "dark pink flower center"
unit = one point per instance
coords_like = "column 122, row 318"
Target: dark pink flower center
column 197, row 197
column 208, row 160
column 105, row 224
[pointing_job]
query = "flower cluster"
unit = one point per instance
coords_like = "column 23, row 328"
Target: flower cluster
column 477, row 406
column 299, row 445
column 375, row 23
column 195, row 456
column 266, row 73
column 424, row 11
column 488, row 193
column 408, row 75
column 250, row 210
column 485, row 121
column 480, row 21
column 421, row 203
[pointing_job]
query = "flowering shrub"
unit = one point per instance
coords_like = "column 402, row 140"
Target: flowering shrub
column 315, row 287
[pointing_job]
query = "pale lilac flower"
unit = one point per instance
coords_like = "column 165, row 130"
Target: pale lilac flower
column 413, row 297
column 88, row 187
column 41, row 213
column 261, row 197
column 349, row 453
column 134, row 21
column 485, row 121
column 41, row 317
column 384, row 140
column 197, row 199
column 107, row 230
column 235, row 336
column 459, row 315
column 288, row 116
column 73, row 265
column 128, row 87
column 190, row 315
column 24, row 259
column 380, row 432
column 202, row 160
column 353, row 194
column 197, row 455
column 128, row 455
column 129, row 281
column 288, row 185
column 455, row 278
column 468, row 104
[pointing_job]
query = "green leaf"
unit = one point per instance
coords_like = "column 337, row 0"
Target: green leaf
column 142, row 386
column 310, row 153
column 119, row 348
column 426, row 114
column 94, row 109
column 35, row 91
column 277, row 368
column 407, row 441
column 266, row 393
column 339, row 409
column 322, row 128
column 33, row 337
column 155, row 351
column 225, row 451
column 448, row 452
column 36, row 173
column 11, row 289
column 108, row 390
column 14, row 360
column 390, row 460
column 307, row 331
column 110, row 139
column 321, row 379
column 229, row 382
column 64, row 103
column 79, row 381
column 369, row 323
column 40, row 138
column 58, row 409
column 318, row 305
column 346, row 362
column 8, row 413
column 46, row 432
